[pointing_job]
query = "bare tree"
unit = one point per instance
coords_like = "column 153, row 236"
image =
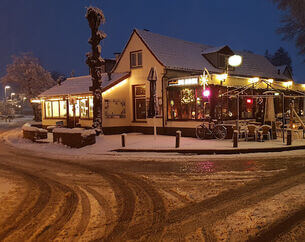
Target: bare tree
column 293, row 22
column 95, row 18
column 28, row 77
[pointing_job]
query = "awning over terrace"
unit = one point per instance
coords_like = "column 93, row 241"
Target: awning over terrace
column 80, row 85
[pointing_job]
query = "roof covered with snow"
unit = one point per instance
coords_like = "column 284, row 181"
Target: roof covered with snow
column 80, row 85
column 183, row 55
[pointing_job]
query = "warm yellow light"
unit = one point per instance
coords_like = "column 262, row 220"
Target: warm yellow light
column 116, row 86
column 287, row 84
column 253, row 80
column 7, row 87
column 303, row 85
column 235, row 60
column 203, row 80
column 222, row 77
column 35, row 101
column 270, row 81
column 55, row 99
column 276, row 94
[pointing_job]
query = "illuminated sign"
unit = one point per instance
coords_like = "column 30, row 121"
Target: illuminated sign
column 183, row 82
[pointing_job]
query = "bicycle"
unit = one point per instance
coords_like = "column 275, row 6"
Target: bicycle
column 218, row 131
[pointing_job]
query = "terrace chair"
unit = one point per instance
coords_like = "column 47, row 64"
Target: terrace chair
column 251, row 131
column 278, row 128
column 265, row 132
column 242, row 131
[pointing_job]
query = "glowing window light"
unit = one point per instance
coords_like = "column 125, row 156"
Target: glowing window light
column 180, row 82
column 270, row 81
column 303, row 85
column 221, row 77
column 190, row 81
column 235, row 60
column 35, row 101
column 206, row 93
column 287, row 84
column 115, row 86
column 253, row 80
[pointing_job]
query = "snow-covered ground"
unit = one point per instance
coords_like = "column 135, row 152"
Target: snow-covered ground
column 15, row 122
column 106, row 143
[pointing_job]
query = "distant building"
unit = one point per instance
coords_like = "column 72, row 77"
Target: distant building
column 181, row 99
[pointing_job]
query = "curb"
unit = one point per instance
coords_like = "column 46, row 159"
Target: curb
column 215, row 151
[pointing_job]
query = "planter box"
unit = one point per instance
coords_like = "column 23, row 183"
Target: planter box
column 74, row 138
column 33, row 133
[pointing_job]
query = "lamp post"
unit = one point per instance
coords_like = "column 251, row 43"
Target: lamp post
column 6, row 87
column 235, row 61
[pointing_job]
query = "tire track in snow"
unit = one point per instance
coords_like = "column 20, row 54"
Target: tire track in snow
column 27, row 211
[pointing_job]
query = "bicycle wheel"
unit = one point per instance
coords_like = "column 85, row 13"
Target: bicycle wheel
column 200, row 131
column 220, row 132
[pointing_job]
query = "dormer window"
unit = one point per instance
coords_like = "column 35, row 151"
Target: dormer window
column 222, row 60
column 218, row 56
column 135, row 59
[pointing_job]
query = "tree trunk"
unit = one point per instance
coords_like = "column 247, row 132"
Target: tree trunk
column 37, row 112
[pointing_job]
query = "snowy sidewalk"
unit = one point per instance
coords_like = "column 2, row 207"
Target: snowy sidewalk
column 135, row 142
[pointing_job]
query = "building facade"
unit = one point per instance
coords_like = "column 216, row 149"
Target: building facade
column 184, row 96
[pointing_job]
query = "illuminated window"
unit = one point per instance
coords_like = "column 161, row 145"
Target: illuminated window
column 48, row 106
column 187, row 104
column 84, row 108
column 63, row 108
column 74, row 108
column 55, row 109
column 71, row 109
column 90, row 107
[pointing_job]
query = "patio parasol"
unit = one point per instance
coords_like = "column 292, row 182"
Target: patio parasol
column 269, row 110
column 152, row 108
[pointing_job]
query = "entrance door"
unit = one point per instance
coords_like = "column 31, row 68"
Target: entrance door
column 73, row 118
column 140, row 109
column 139, row 102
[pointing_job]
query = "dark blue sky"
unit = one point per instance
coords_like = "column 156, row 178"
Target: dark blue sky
column 56, row 31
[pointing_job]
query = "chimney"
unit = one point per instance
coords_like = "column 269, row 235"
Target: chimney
column 117, row 56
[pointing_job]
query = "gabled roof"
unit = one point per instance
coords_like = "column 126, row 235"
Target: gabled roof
column 183, row 55
column 80, row 85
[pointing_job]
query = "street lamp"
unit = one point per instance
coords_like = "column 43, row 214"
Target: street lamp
column 235, row 60
column 6, row 87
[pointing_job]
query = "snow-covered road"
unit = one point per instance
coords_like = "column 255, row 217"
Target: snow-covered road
column 157, row 198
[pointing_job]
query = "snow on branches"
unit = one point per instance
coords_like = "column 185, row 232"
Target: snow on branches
column 27, row 76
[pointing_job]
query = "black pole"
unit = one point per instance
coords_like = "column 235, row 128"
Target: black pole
column 283, row 118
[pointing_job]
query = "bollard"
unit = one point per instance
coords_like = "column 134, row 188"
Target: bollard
column 178, row 136
column 273, row 131
column 289, row 136
column 235, row 139
column 123, row 139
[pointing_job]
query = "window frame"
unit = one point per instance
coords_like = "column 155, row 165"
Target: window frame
column 138, row 96
column 136, row 58
column 52, row 111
